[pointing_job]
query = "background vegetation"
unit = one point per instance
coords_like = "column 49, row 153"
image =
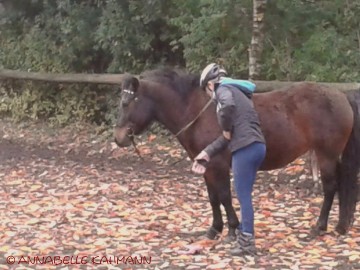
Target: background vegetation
column 304, row 40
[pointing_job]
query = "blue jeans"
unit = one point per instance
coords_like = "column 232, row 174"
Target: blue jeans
column 245, row 163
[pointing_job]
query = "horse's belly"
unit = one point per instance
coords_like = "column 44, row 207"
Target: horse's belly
column 279, row 154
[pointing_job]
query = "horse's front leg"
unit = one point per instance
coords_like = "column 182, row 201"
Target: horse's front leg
column 218, row 223
column 218, row 183
column 225, row 199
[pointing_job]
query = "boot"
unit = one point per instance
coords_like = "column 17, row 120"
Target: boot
column 245, row 245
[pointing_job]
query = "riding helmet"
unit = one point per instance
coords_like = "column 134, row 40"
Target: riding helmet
column 212, row 71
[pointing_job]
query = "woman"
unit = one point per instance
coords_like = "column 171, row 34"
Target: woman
column 242, row 134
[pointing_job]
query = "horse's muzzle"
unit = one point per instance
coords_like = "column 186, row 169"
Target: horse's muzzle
column 123, row 136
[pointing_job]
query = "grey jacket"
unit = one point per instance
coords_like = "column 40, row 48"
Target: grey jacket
column 236, row 113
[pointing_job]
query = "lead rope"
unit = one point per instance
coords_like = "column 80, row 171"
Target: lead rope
column 136, row 149
column 187, row 126
column 196, row 118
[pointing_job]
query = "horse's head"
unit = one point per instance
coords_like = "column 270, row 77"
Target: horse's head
column 135, row 111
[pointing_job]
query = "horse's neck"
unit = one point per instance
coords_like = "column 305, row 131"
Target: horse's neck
column 180, row 122
column 174, row 111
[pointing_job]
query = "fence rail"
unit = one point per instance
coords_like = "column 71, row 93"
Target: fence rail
column 262, row 86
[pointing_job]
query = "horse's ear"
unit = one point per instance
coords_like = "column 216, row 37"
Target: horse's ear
column 135, row 83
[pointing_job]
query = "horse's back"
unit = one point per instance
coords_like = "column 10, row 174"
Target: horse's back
column 302, row 117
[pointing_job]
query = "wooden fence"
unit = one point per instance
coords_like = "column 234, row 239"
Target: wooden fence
column 262, row 86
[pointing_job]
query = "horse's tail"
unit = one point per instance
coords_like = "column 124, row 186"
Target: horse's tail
column 348, row 170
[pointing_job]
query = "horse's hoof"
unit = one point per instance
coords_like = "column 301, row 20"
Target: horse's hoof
column 231, row 236
column 317, row 231
column 229, row 239
column 212, row 233
column 341, row 229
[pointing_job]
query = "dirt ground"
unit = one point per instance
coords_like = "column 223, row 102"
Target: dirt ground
column 72, row 192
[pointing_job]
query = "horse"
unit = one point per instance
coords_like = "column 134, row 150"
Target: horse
column 296, row 119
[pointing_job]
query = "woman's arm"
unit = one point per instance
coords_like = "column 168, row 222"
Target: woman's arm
column 226, row 104
column 216, row 146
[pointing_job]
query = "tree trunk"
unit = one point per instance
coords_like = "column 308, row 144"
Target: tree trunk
column 257, row 40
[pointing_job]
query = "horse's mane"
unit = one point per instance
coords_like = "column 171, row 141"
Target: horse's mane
column 178, row 80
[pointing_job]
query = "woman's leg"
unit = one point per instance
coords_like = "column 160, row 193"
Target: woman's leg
column 245, row 163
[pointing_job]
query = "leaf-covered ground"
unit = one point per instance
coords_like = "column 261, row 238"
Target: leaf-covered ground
column 72, row 192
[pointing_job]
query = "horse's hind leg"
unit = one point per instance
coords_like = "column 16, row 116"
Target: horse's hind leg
column 329, row 183
column 314, row 166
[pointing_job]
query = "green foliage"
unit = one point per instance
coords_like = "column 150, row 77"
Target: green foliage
column 25, row 101
column 56, row 104
column 316, row 40
column 215, row 31
column 137, row 34
column 61, row 38
column 305, row 40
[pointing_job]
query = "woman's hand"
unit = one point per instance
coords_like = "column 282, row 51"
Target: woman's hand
column 198, row 166
column 203, row 155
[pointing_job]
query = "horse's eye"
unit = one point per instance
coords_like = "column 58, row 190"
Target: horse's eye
column 125, row 103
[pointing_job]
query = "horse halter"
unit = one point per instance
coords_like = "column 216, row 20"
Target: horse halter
column 129, row 131
column 132, row 95
column 129, row 92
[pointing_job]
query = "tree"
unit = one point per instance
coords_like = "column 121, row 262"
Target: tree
column 257, row 40
column 215, row 31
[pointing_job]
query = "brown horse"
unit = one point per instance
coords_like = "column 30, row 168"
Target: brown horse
column 294, row 120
